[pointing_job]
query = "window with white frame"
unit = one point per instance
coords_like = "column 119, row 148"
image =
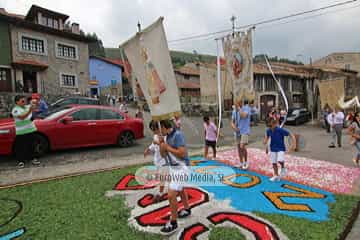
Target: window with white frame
column 68, row 80
column 258, row 83
column 2, row 75
column 50, row 22
column 32, row 44
column 44, row 21
column 56, row 24
column 66, row 51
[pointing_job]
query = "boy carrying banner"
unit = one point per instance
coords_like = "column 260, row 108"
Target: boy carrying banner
column 176, row 146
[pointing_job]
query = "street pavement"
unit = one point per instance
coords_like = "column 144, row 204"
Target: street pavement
column 316, row 145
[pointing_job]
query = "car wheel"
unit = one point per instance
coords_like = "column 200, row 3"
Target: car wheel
column 126, row 139
column 41, row 145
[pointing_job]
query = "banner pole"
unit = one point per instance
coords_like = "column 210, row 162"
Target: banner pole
column 219, row 88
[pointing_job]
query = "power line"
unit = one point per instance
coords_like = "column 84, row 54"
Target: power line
column 296, row 14
column 274, row 25
column 263, row 22
column 310, row 17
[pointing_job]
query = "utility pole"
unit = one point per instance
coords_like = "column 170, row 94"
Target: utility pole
column 139, row 26
column 232, row 19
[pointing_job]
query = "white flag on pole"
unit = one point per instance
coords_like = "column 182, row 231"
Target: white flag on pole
column 149, row 56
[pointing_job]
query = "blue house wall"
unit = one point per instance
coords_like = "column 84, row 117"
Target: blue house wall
column 105, row 73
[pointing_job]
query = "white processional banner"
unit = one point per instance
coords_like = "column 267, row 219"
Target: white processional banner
column 239, row 64
column 149, row 56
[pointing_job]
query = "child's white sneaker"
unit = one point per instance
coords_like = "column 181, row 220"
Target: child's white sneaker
column 245, row 166
column 283, row 172
column 239, row 165
column 275, row 179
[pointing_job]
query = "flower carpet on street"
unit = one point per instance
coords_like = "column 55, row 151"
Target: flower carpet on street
column 320, row 174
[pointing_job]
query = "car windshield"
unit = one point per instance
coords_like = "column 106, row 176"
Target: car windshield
column 57, row 102
column 294, row 112
column 58, row 114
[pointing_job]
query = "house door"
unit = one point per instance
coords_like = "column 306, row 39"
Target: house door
column 94, row 92
column 30, row 82
column 5, row 80
column 267, row 102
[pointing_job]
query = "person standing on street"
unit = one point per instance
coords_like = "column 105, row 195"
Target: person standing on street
column 123, row 107
column 326, row 113
column 25, row 129
column 336, row 121
column 241, row 125
column 254, row 113
column 42, row 107
column 139, row 113
column 210, row 132
column 354, row 132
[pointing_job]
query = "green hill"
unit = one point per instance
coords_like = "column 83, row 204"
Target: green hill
column 178, row 58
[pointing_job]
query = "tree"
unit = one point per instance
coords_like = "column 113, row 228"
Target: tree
column 96, row 47
column 261, row 58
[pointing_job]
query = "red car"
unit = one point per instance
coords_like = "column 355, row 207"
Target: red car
column 77, row 126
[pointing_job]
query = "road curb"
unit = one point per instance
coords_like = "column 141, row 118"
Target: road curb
column 353, row 219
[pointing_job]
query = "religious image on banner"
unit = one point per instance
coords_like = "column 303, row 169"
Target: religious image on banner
column 156, row 86
column 331, row 91
column 239, row 65
column 149, row 56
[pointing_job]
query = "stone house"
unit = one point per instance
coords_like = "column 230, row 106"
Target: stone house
column 351, row 83
column 188, row 82
column 300, row 84
column 295, row 81
column 42, row 54
column 341, row 60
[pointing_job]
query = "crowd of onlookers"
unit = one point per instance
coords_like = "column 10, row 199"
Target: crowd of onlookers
column 335, row 120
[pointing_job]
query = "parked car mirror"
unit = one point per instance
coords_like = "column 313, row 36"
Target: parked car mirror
column 67, row 119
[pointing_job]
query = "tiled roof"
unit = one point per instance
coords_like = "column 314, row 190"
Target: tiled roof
column 126, row 67
column 188, row 85
column 329, row 68
column 32, row 13
column 3, row 11
column 282, row 69
column 19, row 21
column 110, row 61
column 185, row 70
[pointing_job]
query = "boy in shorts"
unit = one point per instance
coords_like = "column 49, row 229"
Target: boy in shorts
column 175, row 152
column 277, row 135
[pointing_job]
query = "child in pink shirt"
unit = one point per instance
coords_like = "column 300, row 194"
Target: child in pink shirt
column 210, row 131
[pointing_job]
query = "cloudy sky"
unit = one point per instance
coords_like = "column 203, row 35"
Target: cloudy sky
column 115, row 21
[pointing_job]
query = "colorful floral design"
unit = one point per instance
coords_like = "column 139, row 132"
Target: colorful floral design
column 321, row 174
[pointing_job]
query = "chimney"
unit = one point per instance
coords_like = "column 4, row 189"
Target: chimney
column 75, row 28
